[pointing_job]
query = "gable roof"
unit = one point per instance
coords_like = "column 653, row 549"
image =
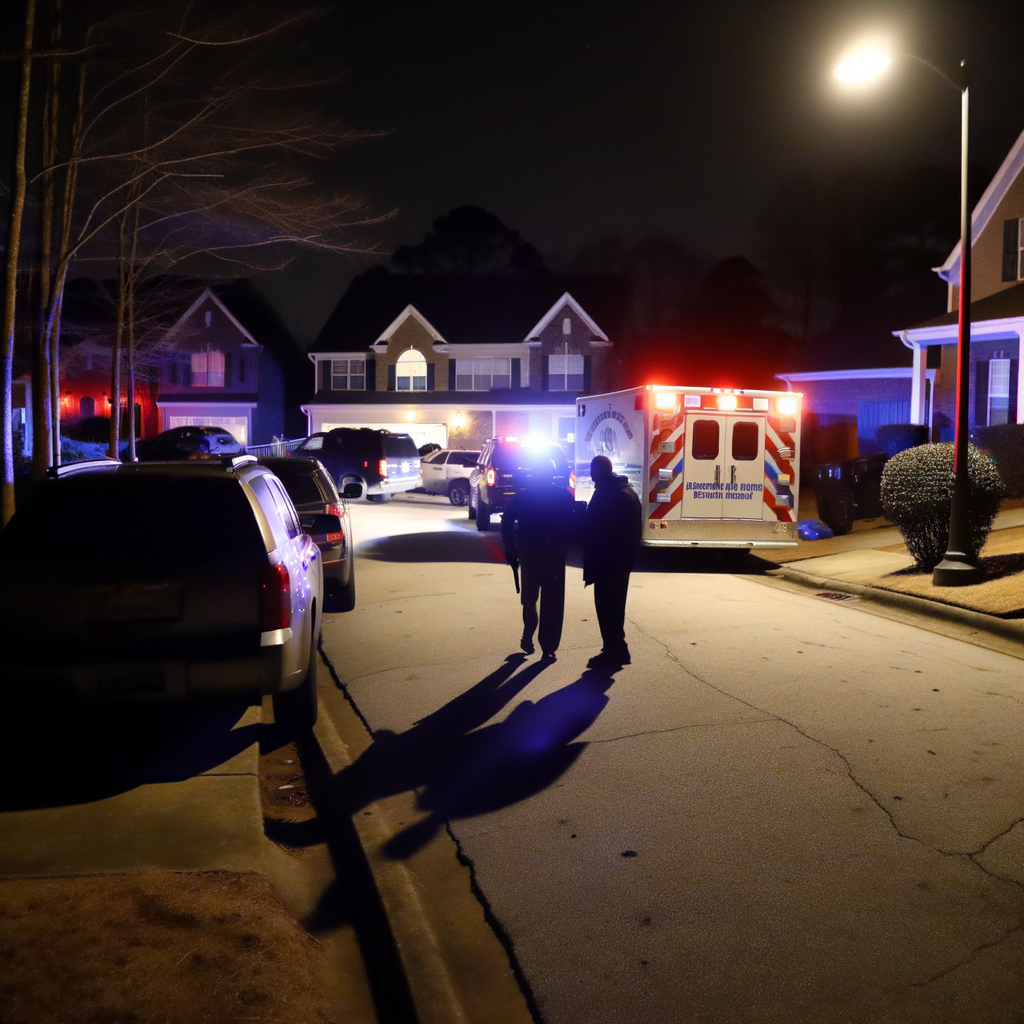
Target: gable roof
column 560, row 304
column 409, row 311
column 471, row 308
column 987, row 205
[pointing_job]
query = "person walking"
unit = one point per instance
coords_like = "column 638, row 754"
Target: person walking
column 612, row 537
column 535, row 531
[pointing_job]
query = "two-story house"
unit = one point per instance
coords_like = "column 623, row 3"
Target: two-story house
column 226, row 360
column 996, row 313
column 454, row 360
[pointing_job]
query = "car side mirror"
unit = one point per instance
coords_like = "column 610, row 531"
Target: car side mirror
column 352, row 491
column 324, row 529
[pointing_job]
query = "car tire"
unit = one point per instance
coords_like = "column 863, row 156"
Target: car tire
column 472, row 503
column 458, row 493
column 297, row 710
column 483, row 515
column 347, row 593
column 380, row 498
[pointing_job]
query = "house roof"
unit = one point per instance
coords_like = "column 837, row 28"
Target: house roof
column 1004, row 305
column 987, row 205
column 470, row 308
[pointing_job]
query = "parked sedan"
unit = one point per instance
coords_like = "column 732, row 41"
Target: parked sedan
column 195, row 442
column 163, row 582
column 447, row 472
column 312, row 491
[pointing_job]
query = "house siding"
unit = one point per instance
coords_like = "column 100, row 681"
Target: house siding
column 411, row 334
column 987, row 250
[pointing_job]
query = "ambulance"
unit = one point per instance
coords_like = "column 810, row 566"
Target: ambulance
column 714, row 467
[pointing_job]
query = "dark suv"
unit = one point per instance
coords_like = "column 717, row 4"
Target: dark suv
column 196, row 442
column 505, row 467
column 383, row 462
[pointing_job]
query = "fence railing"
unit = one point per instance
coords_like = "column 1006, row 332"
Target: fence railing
column 279, row 446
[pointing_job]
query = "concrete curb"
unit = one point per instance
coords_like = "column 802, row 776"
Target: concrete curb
column 1008, row 629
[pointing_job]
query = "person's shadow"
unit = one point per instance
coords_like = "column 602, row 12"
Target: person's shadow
column 463, row 770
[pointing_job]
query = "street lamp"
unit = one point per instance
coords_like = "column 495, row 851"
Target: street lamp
column 958, row 567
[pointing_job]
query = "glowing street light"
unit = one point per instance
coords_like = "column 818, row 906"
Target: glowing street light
column 862, row 66
column 957, row 567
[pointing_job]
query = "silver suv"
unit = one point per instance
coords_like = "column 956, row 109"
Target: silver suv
column 160, row 580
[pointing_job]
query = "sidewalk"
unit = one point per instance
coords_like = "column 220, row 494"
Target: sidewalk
column 872, row 561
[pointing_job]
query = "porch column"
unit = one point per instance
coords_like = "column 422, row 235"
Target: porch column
column 917, row 385
column 1020, row 377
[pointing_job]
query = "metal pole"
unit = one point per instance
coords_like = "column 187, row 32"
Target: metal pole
column 959, row 567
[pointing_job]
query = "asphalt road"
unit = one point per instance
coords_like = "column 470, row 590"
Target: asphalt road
column 786, row 809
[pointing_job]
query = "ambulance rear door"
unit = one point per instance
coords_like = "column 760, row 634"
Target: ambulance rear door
column 723, row 467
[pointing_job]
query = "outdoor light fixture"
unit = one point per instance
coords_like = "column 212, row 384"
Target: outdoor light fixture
column 410, row 416
column 862, row 66
column 958, row 567
column 458, row 421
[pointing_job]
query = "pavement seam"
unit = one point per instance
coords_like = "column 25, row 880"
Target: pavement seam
column 493, row 922
column 969, row 856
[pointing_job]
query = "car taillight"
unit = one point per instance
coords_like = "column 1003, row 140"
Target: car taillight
column 384, row 468
column 333, row 509
column 572, row 481
column 275, row 598
column 490, row 478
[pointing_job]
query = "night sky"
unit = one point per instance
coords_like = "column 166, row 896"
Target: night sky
column 574, row 120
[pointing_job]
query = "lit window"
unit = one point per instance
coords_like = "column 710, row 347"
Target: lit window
column 208, row 369
column 567, row 325
column 411, row 371
column 348, row 374
column 482, row 374
column 565, row 373
column 998, row 392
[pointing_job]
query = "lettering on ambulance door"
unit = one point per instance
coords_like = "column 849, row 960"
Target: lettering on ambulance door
column 743, row 467
column 703, row 466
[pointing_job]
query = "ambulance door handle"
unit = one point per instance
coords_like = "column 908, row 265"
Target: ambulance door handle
column 718, row 474
column 733, row 474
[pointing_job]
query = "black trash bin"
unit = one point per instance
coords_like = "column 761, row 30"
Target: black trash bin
column 833, row 490
column 865, row 475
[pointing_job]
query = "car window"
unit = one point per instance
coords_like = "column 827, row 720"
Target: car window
column 464, row 458
column 516, row 458
column 400, row 446
column 301, row 487
column 284, row 507
column 312, row 444
column 114, row 517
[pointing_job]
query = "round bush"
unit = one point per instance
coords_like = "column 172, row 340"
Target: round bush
column 917, row 488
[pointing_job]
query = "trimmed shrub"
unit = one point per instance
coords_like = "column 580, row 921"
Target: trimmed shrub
column 1006, row 446
column 917, row 488
column 894, row 438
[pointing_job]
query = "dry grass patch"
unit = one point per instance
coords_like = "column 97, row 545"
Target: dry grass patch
column 156, row 946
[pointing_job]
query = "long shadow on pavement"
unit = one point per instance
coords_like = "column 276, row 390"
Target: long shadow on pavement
column 462, row 770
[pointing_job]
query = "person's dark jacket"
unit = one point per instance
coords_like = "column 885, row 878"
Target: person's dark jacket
column 544, row 517
column 613, row 530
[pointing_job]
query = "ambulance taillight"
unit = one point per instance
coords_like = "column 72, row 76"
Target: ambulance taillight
column 785, row 406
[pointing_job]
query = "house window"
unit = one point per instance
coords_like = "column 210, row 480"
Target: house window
column 88, row 362
column 1013, row 250
column 998, row 392
column 348, row 374
column 482, row 374
column 208, row 369
column 567, row 325
column 411, row 371
column 565, row 373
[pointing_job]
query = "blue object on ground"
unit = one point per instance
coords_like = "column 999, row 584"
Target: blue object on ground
column 813, row 529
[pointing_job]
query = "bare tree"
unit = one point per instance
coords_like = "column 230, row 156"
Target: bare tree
column 186, row 145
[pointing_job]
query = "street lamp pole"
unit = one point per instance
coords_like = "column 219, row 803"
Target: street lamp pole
column 958, row 567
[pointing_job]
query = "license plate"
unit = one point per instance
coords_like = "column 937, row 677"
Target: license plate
column 131, row 603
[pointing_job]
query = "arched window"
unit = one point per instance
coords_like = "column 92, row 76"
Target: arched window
column 411, row 371
column 86, row 407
